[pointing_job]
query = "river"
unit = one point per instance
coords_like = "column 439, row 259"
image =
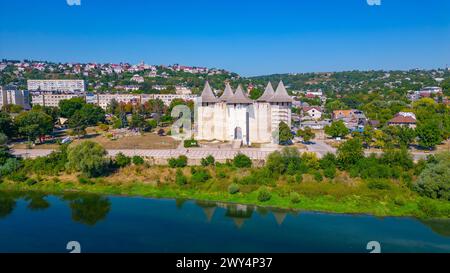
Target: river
column 34, row 222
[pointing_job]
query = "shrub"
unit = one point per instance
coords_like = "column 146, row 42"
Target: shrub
column 138, row 160
column 298, row 177
column 208, row 161
column 84, row 180
column 242, row 161
column 264, row 194
column 103, row 127
column 31, row 181
column 180, row 178
column 261, row 176
column 178, row 162
column 330, row 172
column 18, row 176
column 122, row 160
column 428, row 207
column 378, row 184
column 221, row 174
column 328, row 161
column 233, row 188
column 318, row 176
column 295, row 197
column 52, row 164
column 200, row 175
column 10, row 166
column 190, row 143
column 399, row 201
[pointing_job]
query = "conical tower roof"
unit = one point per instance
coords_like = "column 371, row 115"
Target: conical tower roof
column 281, row 94
column 207, row 94
column 227, row 93
column 209, row 212
column 239, row 97
column 279, row 217
column 268, row 93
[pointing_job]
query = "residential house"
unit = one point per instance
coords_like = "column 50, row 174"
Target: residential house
column 406, row 119
column 314, row 112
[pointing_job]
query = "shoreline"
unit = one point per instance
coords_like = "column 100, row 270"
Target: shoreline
column 324, row 204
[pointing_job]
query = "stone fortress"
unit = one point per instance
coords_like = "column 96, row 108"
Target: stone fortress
column 236, row 118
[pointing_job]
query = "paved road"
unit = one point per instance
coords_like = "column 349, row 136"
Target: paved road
column 319, row 147
column 253, row 153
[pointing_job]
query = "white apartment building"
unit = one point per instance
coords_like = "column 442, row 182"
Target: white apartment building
column 14, row 96
column 103, row 100
column 56, row 85
column 168, row 98
column 51, row 99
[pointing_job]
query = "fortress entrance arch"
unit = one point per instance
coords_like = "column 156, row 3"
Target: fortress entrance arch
column 238, row 133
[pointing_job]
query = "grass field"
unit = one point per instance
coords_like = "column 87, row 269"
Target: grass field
column 144, row 141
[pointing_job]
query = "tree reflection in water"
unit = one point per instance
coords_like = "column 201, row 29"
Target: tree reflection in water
column 439, row 226
column 36, row 201
column 88, row 209
column 7, row 205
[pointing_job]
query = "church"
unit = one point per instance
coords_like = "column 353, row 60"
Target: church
column 235, row 117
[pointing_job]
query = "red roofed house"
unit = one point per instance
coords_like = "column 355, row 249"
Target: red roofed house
column 314, row 112
column 407, row 119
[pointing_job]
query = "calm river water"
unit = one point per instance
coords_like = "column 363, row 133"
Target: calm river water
column 31, row 222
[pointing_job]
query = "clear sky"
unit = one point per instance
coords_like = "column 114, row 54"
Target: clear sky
column 250, row 37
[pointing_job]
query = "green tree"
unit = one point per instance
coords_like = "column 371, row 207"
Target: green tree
column 434, row 181
column 255, row 93
column 137, row 121
column 307, row 134
column 69, row 107
column 429, row 134
column 34, row 124
column 367, row 135
column 88, row 157
column 285, row 134
column 336, row 129
column 6, row 125
column 350, row 152
column 88, row 115
column 406, row 136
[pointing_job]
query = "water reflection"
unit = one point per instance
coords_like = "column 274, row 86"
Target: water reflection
column 37, row 201
column 90, row 209
column 239, row 213
column 209, row 208
column 7, row 205
column 439, row 226
column 87, row 209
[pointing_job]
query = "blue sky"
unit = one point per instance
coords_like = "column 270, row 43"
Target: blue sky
column 246, row 36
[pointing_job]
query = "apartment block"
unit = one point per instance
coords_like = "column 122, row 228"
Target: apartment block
column 56, row 85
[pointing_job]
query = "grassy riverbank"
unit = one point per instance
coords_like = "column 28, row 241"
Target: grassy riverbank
column 341, row 194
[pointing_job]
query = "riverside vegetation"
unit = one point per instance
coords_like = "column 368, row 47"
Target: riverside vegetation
column 387, row 185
